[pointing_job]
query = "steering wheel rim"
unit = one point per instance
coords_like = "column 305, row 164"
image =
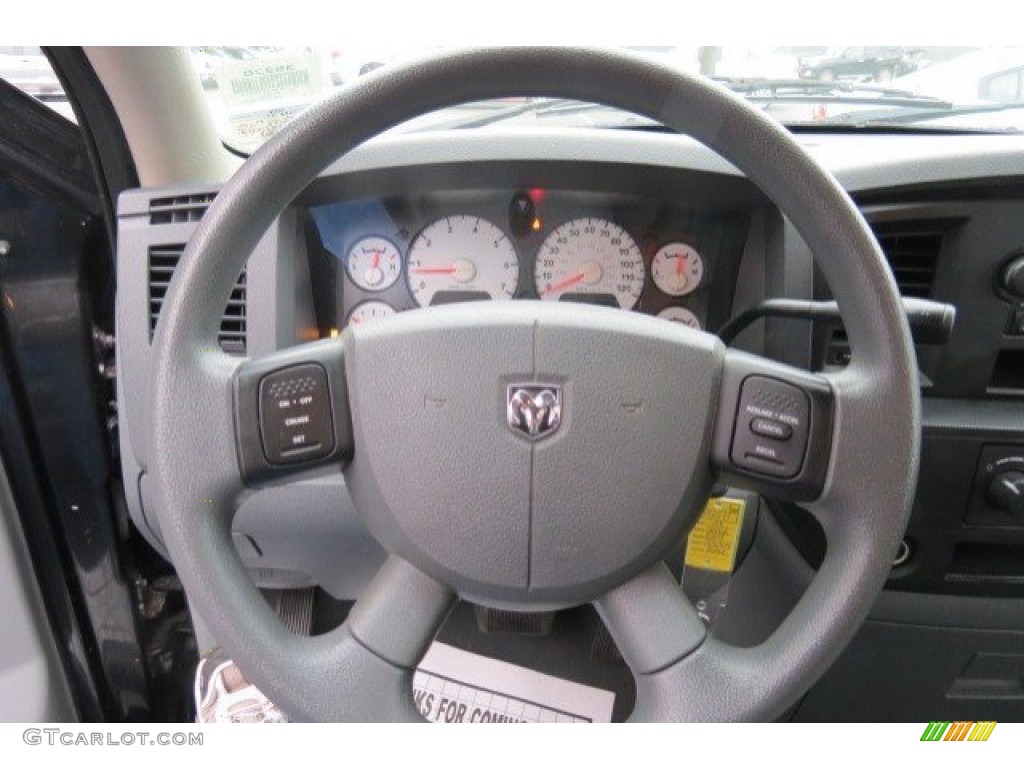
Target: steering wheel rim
column 362, row 670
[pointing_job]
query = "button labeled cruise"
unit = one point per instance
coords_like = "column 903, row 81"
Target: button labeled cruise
column 295, row 414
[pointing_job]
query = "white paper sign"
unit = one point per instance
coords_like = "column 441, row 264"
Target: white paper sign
column 455, row 686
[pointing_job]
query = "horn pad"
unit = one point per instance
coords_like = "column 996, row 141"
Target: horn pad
column 531, row 455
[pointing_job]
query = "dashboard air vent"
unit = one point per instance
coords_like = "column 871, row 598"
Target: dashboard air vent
column 912, row 250
column 171, row 210
column 163, row 259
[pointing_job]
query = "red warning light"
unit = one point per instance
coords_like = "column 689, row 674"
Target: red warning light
column 537, row 195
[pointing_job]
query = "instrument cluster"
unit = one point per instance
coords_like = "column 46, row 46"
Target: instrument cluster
column 619, row 250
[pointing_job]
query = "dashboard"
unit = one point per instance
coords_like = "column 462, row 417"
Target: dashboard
column 657, row 255
column 654, row 240
column 657, row 224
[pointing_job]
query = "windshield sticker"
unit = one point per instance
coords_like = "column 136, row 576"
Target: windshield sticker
column 254, row 129
column 294, row 78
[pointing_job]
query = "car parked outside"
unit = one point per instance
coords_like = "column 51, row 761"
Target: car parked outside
column 860, row 62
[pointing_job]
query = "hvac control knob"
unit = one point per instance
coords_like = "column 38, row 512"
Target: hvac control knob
column 1006, row 492
column 1011, row 279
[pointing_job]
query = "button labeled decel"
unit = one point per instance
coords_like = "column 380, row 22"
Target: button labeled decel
column 295, row 415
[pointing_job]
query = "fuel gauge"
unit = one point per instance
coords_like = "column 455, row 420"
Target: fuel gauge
column 370, row 312
column 373, row 263
column 680, row 315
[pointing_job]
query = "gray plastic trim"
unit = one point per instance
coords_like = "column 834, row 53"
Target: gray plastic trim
column 949, row 611
column 860, row 164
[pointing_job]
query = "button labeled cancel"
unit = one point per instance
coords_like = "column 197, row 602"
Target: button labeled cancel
column 771, row 428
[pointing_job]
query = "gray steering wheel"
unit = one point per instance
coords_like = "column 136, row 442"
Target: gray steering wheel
column 583, row 506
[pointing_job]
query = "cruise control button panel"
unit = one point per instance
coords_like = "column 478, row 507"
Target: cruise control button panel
column 772, row 427
column 295, row 414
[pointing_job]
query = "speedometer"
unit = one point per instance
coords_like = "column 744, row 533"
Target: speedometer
column 592, row 257
column 461, row 258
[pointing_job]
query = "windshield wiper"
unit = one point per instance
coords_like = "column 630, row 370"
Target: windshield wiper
column 500, row 114
column 814, row 91
column 937, row 112
column 762, row 91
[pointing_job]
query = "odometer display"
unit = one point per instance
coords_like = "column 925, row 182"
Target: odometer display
column 590, row 256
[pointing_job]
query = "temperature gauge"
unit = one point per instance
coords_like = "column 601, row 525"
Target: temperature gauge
column 373, row 263
column 370, row 312
column 677, row 269
column 680, row 315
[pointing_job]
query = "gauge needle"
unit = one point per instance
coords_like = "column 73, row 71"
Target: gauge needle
column 681, row 279
column 563, row 284
column 433, row 270
column 376, row 260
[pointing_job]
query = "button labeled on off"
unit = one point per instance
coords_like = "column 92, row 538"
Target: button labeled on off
column 295, row 414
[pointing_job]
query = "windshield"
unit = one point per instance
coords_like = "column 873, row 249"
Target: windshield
column 255, row 90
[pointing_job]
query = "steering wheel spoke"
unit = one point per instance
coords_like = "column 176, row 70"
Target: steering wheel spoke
column 375, row 651
column 681, row 671
column 292, row 412
column 400, row 612
column 773, row 429
column 651, row 621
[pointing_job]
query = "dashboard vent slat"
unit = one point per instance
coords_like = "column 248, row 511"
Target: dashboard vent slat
column 912, row 251
column 173, row 210
column 163, row 259
column 912, row 248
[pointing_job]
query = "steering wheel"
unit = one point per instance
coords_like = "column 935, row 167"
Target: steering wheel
column 532, row 456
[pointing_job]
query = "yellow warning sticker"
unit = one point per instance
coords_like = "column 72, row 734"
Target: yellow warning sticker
column 713, row 541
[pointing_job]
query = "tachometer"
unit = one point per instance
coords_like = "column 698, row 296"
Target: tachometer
column 462, row 257
column 593, row 257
